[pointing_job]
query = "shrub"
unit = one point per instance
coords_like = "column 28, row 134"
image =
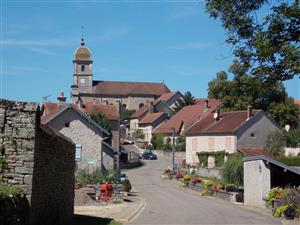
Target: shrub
column 273, row 194
column 280, row 210
column 196, row 180
column 7, row 190
column 233, row 170
column 231, row 188
column 127, row 185
column 218, row 156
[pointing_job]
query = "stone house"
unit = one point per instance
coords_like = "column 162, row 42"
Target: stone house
column 165, row 103
column 228, row 131
column 150, row 122
column 132, row 95
column 92, row 141
column 185, row 118
column 40, row 162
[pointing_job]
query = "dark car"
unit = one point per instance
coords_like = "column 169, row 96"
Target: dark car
column 149, row 155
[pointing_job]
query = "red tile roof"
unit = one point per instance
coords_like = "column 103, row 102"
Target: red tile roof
column 211, row 101
column 140, row 112
column 129, row 88
column 188, row 115
column 110, row 111
column 151, row 117
column 165, row 97
column 48, row 109
column 297, row 102
column 255, row 151
column 228, row 123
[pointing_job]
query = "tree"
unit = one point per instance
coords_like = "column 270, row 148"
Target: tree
column 138, row 134
column 188, row 99
column 268, row 46
column 101, row 119
column 157, row 141
column 243, row 90
column 233, row 170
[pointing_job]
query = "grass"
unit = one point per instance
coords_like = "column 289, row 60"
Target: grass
column 90, row 220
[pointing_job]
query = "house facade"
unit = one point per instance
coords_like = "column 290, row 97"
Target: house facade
column 92, row 152
column 228, row 131
column 131, row 95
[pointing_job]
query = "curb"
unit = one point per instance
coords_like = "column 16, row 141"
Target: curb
column 139, row 209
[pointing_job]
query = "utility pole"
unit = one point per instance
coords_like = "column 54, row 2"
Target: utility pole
column 173, row 150
column 118, row 145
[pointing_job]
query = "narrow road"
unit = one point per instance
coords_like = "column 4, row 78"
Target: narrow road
column 167, row 204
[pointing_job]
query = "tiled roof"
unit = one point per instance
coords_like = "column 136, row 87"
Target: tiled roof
column 228, row 123
column 110, row 111
column 151, row 117
column 49, row 109
column 129, row 88
column 297, row 102
column 201, row 101
column 188, row 116
column 140, row 112
column 164, row 97
column 255, row 151
column 82, row 53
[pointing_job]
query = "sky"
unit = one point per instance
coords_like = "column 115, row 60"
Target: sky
column 174, row 42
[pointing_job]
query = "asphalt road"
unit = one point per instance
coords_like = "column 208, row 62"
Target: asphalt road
column 167, row 204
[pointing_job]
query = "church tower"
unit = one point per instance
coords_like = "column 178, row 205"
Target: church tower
column 83, row 76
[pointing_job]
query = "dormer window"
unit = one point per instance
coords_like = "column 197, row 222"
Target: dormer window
column 82, row 68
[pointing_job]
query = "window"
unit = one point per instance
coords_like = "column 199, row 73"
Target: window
column 78, row 149
column 124, row 106
column 211, row 143
column 82, row 68
column 141, row 105
column 67, row 124
column 252, row 135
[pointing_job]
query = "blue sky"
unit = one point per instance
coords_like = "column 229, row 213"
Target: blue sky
column 170, row 41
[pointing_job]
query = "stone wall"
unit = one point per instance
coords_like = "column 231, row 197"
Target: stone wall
column 40, row 162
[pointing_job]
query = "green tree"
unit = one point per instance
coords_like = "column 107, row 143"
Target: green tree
column 267, row 44
column 243, row 90
column 157, row 141
column 101, row 119
column 180, row 143
column 138, row 134
column 188, row 99
column 233, row 170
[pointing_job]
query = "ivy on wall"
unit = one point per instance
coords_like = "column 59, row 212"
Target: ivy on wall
column 219, row 157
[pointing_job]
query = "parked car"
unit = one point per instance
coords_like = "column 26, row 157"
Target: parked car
column 149, row 155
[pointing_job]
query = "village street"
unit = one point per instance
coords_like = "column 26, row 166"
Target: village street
column 165, row 203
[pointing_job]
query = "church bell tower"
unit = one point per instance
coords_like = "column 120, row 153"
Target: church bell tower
column 83, row 75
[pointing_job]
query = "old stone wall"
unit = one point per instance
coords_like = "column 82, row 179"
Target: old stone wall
column 39, row 161
column 53, row 178
column 17, row 138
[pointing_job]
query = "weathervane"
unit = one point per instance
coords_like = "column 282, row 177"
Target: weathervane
column 82, row 39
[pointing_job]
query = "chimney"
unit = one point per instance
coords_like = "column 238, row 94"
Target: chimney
column 150, row 104
column 206, row 104
column 249, row 112
column 61, row 99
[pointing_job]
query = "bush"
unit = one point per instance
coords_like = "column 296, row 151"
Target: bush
column 127, row 185
column 157, row 141
column 231, row 188
column 196, row 180
column 138, row 134
column 84, row 178
column 233, row 170
column 218, row 156
column 178, row 175
column 290, row 160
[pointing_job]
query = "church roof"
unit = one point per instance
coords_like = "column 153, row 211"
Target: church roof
column 129, row 88
column 82, row 53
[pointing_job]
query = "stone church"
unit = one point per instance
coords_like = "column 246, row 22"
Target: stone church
column 131, row 95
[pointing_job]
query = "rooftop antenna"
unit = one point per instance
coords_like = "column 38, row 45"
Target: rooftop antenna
column 45, row 98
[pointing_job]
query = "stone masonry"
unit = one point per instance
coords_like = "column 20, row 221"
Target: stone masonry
column 40, row 162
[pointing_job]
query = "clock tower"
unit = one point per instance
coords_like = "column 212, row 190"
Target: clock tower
column 82, row 76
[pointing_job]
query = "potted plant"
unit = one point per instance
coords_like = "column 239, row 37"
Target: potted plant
column 289, row 213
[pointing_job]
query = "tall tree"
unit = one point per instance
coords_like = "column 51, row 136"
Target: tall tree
column 101, row 119
column 188, row 99
column 243, row 90
column 268, row 46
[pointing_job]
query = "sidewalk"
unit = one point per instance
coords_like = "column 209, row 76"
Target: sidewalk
column 123, row 212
